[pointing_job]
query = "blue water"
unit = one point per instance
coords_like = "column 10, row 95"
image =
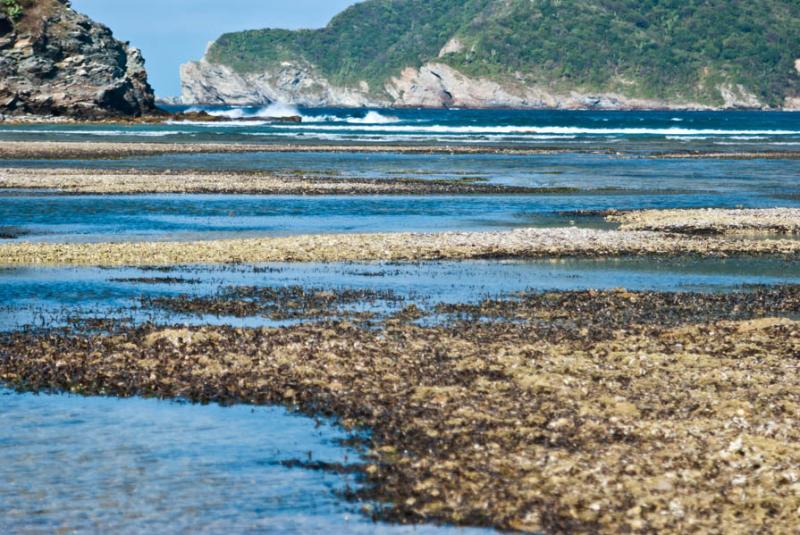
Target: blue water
column 600, row 181
column 53, row 296
column 653, row 130
column 100, row 465
column 181, row 217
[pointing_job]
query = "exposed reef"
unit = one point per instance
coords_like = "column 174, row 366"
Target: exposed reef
column 712, row 221
column 134, row 181
column 587, row 411
column 521, row 243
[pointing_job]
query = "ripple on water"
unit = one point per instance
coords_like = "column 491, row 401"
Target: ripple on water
column 110, row 465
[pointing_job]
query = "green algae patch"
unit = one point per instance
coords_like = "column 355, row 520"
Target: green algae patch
column 561, row 412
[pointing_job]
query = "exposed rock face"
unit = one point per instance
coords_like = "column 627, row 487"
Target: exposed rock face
column 434, row 85
column 293, row 83
column 593, row 54
column 54, row 61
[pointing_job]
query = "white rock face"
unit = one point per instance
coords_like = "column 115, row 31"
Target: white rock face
column 792, row 104
column 738, row 97
column 438, row 85
column 206, row 83
column 433, row 85
column 453, row 46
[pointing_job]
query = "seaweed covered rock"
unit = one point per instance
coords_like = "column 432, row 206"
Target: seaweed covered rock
column 57, row 62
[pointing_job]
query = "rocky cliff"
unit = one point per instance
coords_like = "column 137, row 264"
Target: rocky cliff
column 433, row 85
column 57, row 62
column 600, row 54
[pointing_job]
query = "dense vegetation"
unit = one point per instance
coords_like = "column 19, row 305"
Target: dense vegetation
column 12, row 9
column 648, row 48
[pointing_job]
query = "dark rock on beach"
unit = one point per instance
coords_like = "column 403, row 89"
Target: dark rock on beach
column 57, row 62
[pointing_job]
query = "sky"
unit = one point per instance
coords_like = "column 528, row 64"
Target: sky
column 171, row 32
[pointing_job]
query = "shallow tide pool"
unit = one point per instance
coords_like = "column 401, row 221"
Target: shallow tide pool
column 100, row 465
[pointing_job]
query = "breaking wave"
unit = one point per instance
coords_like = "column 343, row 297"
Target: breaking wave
column 286, row 110
column 544, row 130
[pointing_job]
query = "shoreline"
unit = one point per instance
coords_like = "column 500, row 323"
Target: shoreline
column 530, row 243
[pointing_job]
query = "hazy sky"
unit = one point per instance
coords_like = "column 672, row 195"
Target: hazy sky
column 171, row 32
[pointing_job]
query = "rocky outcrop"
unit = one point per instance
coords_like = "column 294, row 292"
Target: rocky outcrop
column 291, row 83
column 434, row 85
column 57, row 62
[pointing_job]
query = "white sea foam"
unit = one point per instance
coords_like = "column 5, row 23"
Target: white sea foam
column 278, row 110
column 547, row 130
column 373, row 117
column 275, row 109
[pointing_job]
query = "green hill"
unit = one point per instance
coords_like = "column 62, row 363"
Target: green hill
column 651, row 49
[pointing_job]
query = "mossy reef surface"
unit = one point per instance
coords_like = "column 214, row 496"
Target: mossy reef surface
column 576, row 411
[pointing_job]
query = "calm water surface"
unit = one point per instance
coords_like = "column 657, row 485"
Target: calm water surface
column 98, row 465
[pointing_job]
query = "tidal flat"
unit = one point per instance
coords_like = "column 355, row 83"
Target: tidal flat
column 521, row 321
column 555, row 411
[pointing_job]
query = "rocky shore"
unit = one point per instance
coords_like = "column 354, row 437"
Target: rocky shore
column 136, row 181
column 588, row 411
column 521, row 243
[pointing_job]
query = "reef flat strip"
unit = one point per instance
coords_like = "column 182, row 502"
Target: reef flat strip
column 711, row 220
column 730, row 155
column 520, row 243
column 64, row 150
column 589, row 412
column 134, row 181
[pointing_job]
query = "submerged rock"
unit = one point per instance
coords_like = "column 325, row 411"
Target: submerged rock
column 57, row 62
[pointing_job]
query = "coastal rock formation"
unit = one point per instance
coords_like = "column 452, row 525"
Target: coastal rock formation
column 295, row 83
column 596, row 54
column 437, row 85
column 57, row 62
column 434, row 85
